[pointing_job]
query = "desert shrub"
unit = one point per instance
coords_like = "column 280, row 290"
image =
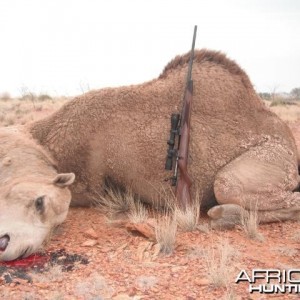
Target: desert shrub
column 28, row 96
column 295, row 93
column 265, row 96
column 282, row 102
column 44, row 97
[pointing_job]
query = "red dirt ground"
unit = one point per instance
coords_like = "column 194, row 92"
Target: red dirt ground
column 124, row 266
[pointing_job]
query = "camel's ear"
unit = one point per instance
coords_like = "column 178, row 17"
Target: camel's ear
column 64, row 179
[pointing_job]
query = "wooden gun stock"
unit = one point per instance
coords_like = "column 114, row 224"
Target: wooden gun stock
column 184, row 182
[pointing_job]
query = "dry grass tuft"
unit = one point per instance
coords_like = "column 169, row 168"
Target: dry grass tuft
column 219, row 262
column 112, row 202
column 188, row 218
column 165, row 233
column 249, row 223
column 138, row 212
column 115, row 203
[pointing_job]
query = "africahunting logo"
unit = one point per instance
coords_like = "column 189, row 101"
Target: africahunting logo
column 271, row 281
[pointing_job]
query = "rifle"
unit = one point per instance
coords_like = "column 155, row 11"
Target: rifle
column 180, row 126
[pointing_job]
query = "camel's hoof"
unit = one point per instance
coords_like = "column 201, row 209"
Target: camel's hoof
column 227, row 211
column 216, row 212
column 226, row 216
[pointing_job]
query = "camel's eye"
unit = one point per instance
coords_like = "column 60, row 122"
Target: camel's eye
column 39, row 204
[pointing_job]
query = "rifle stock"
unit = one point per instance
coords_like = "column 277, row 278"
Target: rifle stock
column 184, row 182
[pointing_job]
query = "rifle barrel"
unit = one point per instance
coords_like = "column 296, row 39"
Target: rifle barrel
column 189, row 76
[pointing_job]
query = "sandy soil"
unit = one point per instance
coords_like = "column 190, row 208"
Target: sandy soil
column 127, row 266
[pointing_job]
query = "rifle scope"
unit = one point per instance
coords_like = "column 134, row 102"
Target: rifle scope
column 171, row 142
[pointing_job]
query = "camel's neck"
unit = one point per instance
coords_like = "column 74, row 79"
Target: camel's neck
column 21, row 157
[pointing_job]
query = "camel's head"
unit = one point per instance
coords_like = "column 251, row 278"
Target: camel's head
column 30, row 208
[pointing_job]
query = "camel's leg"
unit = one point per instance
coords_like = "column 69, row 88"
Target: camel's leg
column 88, row 187
column 226, row 216
column 261, row 179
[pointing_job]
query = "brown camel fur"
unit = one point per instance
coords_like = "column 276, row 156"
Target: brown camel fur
column 240, row 152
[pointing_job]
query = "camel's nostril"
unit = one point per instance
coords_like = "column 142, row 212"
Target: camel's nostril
column 4, row 240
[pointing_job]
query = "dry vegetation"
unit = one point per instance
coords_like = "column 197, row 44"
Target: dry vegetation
column 250, row 224
column 287, row 112
column 184, row 243
column 165, row 233
column 220, row 257
column 21, row 111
